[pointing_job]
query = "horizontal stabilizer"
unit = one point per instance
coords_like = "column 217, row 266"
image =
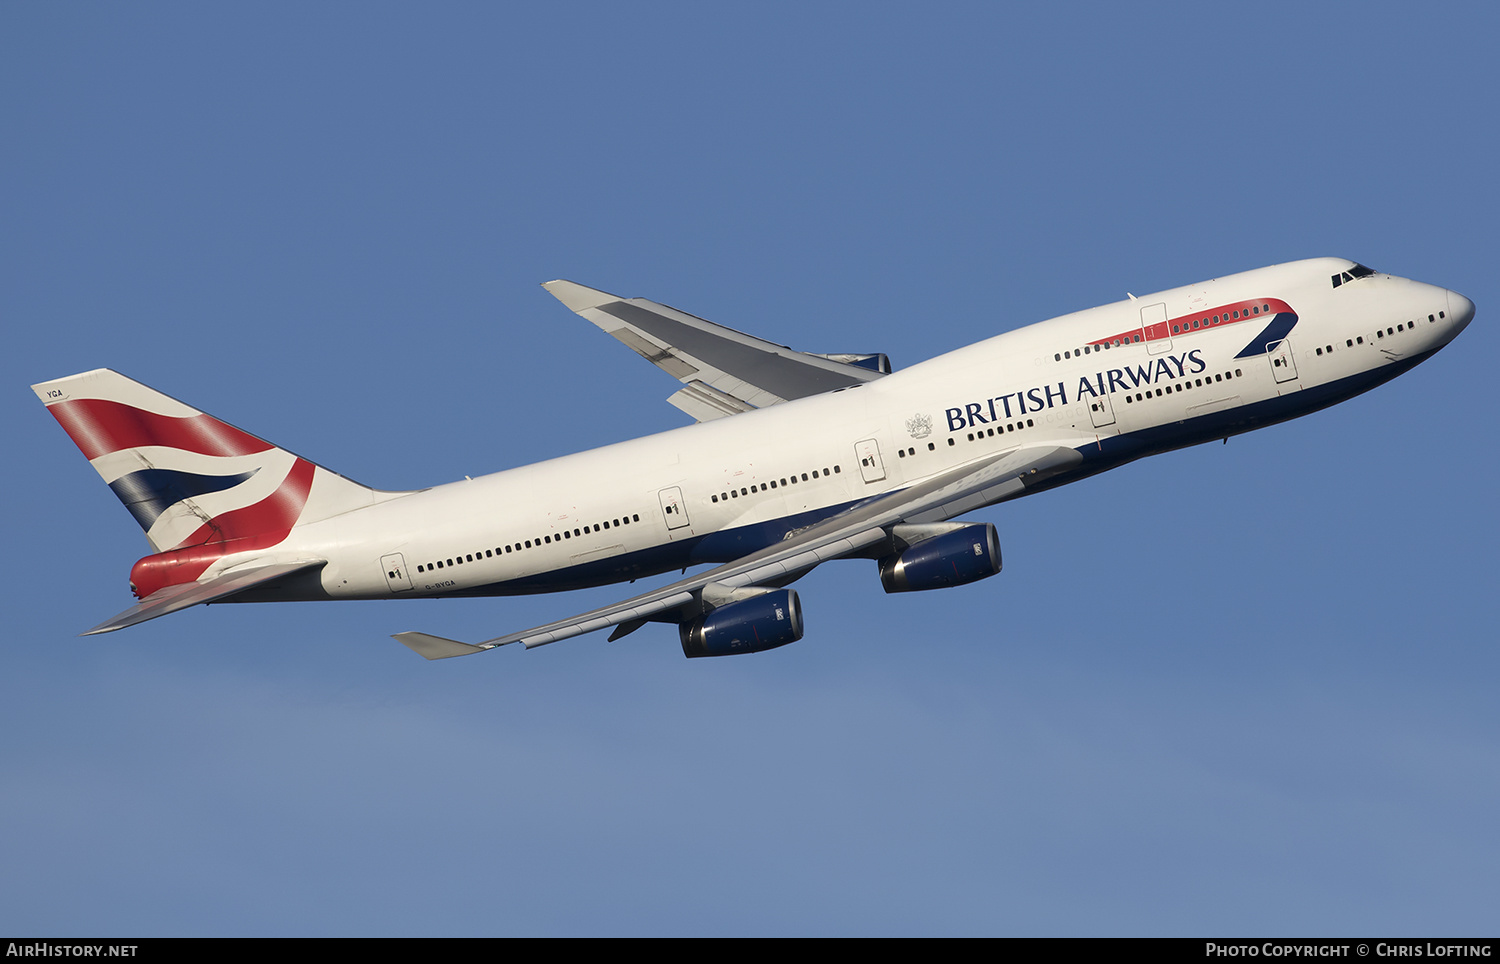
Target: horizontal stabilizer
column 220, row 587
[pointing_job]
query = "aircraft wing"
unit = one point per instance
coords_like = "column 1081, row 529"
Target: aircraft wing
column 941, row 497
column 173, row 598
column 724, row 372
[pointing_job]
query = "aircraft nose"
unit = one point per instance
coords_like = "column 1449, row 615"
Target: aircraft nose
column 1460, row 311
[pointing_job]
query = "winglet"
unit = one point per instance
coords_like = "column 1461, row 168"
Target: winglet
column 577, row 297
column 435, row 647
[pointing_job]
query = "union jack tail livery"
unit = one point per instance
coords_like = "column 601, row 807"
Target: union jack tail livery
column 205, row 493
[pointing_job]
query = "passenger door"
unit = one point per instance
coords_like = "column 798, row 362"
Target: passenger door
column 870, row 466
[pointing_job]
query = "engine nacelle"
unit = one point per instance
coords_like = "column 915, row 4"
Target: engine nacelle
column 953, row 558
column 751, row 625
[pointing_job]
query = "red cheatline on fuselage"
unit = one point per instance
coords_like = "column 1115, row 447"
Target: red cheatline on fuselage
column 1231, row 314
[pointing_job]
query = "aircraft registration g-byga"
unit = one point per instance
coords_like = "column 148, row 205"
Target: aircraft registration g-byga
column 796, row 459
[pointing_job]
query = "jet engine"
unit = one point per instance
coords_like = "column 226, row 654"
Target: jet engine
column 752, row 625
column 951, row 557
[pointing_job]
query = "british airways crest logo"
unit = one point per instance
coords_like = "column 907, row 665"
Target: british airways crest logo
column 919, row 425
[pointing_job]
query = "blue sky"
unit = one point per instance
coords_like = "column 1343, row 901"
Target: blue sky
column 1244, row 688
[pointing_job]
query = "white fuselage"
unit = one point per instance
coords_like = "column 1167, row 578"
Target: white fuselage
column 1115, row 383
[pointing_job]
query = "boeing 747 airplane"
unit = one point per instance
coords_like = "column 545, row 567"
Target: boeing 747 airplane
column 796, row 459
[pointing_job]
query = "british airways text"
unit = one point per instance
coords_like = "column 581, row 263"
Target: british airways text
column 1101, row 383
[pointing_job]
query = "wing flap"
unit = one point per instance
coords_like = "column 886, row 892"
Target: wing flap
column 220, row 587
column 706, row 403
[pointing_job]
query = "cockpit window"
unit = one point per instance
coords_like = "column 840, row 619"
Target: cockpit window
column 1357, row 271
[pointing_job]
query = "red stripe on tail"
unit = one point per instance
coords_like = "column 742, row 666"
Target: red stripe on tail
column 98, row 427
column 257, row 526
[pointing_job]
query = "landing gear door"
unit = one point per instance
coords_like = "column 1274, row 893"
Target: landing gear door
column 672, row 508
column 395, row 572
column 870, row 466
column 1282, row 364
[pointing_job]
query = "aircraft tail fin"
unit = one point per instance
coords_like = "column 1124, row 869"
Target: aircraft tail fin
column 191, row 481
